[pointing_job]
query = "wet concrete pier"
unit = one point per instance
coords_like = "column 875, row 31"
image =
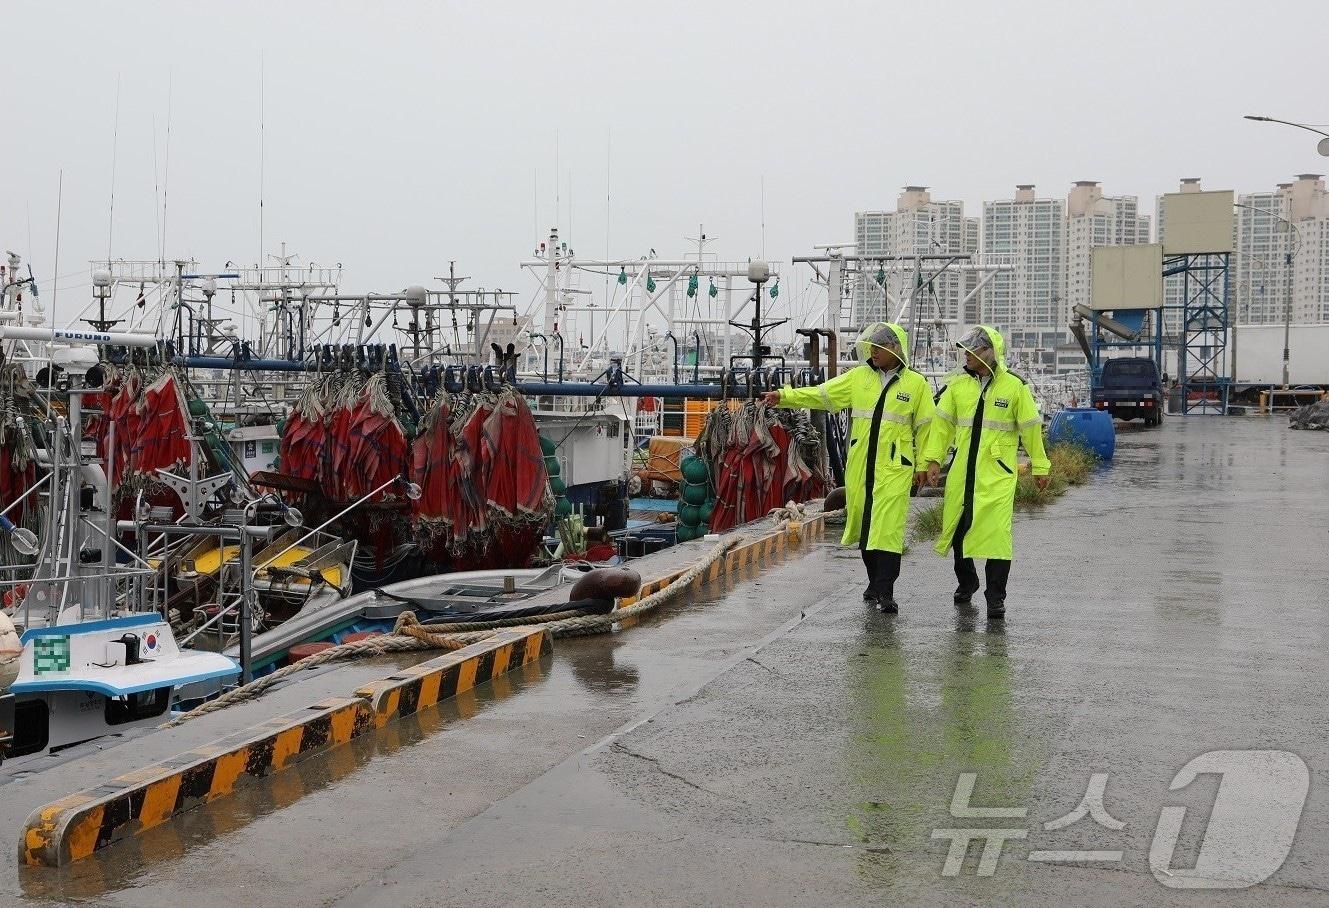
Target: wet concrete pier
column 774, row 742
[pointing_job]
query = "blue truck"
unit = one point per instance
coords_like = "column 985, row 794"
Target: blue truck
column 1130, row 387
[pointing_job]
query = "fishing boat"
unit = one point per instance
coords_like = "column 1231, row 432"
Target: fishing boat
column 440, row 459
column 94, row 660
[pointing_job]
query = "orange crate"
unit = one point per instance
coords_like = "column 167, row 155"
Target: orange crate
column 694, row 415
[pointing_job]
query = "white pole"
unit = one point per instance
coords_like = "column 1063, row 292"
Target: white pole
column 728, row 316
column 551, row 280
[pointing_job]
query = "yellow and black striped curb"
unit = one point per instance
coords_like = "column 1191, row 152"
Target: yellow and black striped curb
column 423, row 685
column 74, row 827
column 775, row 543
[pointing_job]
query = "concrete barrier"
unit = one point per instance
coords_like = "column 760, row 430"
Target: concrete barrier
column 777, row 542
column 423, row 685
column 76, row 826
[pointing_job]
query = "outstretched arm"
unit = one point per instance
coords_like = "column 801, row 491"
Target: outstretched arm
column 835, row 394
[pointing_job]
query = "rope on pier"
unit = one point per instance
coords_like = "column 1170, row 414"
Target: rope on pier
column 409, row 635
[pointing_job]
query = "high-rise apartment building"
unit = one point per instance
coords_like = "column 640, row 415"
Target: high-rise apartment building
column 918, row 226
column 1293, row 219
column 1049, row 245
column 1260, row 276
column 1027, row 303
column 1308, row 204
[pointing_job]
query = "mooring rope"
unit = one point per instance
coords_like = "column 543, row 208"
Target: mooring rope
column 409, row 635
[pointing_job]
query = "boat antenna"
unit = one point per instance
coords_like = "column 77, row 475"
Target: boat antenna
column 156, row 186
column 55, row 291
column 115, row 144
column 166, row 170
column 763, row 215
column 262, row 157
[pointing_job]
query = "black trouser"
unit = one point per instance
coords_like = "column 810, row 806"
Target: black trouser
column 883, row 570
column 996, row 570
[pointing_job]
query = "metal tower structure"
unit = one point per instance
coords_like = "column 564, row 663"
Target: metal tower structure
column 1202, row 362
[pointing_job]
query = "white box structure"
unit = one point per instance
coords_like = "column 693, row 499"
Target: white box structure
column 1127, row 277
column 1197, row 222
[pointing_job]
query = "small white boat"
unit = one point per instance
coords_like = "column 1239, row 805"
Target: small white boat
column 83, row 680
column 481, row 594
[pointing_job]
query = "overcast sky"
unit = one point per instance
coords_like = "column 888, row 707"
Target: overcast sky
column 398, row 136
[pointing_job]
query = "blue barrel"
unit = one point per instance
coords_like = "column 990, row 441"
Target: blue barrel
column 1085, row 426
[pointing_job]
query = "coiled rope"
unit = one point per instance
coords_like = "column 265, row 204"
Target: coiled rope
column 794, row 511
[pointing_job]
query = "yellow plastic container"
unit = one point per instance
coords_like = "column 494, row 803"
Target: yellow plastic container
column 694, row 415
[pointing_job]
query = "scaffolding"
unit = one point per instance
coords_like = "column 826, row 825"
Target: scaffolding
column 1202, row 362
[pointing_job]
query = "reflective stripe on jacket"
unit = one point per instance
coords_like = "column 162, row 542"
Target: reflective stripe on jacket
column 985, row 424
column 888, row 430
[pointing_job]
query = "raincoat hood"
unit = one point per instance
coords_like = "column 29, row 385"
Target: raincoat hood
column 984, row 337
column 875, row 335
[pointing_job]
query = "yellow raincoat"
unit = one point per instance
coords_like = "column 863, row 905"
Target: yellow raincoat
column 889, row 427
column 984, row 421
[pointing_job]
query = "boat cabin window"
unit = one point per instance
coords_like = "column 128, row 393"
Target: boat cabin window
column 133, row 707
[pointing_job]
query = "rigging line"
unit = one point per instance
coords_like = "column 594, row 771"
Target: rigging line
column 46, row 278
column 115, row 146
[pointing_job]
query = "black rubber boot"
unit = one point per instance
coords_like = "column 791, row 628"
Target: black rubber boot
column 997, row 611
column 967, row 577
column 870, row 594
column 887, row 607
column 964, row 595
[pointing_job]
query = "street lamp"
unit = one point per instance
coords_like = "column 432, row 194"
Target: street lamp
column 1293, row 246
column 1322, row 147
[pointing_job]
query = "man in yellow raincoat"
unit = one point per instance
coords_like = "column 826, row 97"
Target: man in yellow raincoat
column 984, row 412
column 891, row 406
